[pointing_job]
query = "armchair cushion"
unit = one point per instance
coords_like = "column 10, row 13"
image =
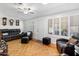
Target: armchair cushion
column 30, row 34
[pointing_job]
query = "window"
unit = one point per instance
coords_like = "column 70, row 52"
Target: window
column 56, row 26
column 74, row 25
column 64, row 26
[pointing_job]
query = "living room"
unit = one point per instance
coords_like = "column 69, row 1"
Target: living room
column 37, row 29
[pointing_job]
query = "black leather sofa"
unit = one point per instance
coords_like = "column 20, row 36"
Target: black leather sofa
column 62, row 47
column 60, row 43
column 10, row 34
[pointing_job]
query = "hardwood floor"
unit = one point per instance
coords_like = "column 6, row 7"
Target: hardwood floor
column 33, row 48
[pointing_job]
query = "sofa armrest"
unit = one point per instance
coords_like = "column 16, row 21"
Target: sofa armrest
column 62, row 39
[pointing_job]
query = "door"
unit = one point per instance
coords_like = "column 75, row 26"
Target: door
column 39, row 29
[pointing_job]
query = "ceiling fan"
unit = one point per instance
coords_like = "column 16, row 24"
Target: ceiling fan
column 24, row 8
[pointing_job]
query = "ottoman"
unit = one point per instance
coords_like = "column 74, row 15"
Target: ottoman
column 24, row 39
column 46, row 40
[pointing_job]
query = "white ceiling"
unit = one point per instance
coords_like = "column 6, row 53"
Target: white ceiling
column 9, row 9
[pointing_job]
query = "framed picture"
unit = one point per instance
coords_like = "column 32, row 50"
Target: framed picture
column 17, row 22
column 4, row 21
column 50, row 26
column 11, row 22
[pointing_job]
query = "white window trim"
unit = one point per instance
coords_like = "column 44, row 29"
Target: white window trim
column 68, row 25
column 59, row 26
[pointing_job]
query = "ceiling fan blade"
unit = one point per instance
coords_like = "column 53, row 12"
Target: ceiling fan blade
column 32, row 12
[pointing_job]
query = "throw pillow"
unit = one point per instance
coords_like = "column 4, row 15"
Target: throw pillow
column 72, row 41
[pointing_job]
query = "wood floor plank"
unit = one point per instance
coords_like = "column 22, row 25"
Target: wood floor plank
column 33, row 48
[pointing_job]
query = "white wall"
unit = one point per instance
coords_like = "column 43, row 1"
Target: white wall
column 42, row 25
column 11, row 27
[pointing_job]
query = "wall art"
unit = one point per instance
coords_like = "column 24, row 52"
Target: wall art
column 4, row 21
column 17, row 22
column 11, row 22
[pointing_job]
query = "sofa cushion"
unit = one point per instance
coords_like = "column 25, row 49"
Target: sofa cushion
column 5, row 33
